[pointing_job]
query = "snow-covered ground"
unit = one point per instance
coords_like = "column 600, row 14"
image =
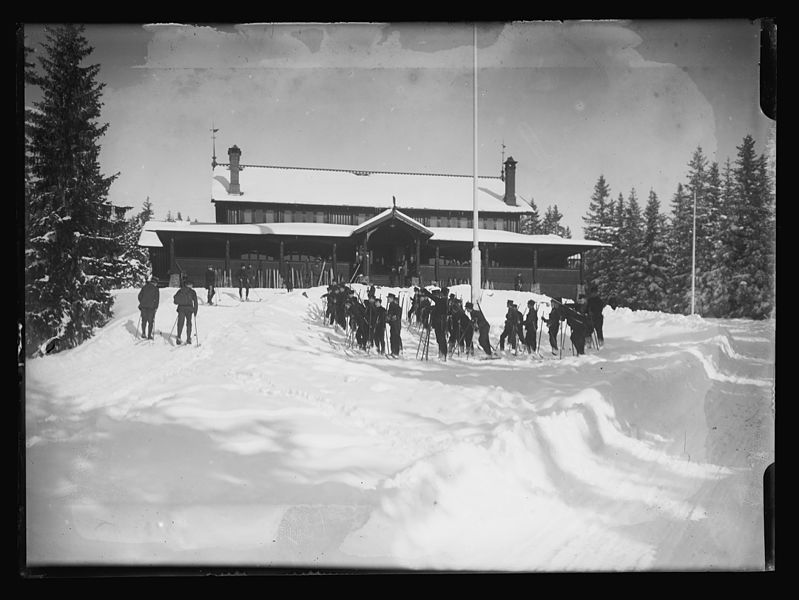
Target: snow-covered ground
column 269, row 445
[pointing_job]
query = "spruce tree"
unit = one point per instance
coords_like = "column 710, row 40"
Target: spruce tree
column 530, row 223
column 70, row 243
column 146, row 213
column 551, row 223
column 598, row 227
column 654, row 254
column 630, row 265
column 752, row 235
column 681, row 240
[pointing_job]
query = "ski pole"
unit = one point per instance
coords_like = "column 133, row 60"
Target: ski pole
column 173, row 327
column 136, row 335
column 196, row 331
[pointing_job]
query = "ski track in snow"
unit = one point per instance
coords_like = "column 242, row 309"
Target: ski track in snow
column 273, row 443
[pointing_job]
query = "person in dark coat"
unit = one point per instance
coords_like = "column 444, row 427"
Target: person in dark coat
column 480, row 323
column 186, row 299
column 148, row 305
column 210, row 283
column 379, row 333
column 510, row 331
column 531, row 327
column 595, row 305
column 460, row 329
column 392, row 276
column 518, row 282
column 394, row 317
column 244, row 282
column 577, row 323
column 519, row 324
column 553, row 323
column 438, row 317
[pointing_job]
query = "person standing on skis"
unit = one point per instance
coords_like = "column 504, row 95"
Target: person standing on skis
column 186, row 300
column 148, row 305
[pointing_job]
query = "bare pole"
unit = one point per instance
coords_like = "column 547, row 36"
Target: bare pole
column 476, row 281
column 693, row 260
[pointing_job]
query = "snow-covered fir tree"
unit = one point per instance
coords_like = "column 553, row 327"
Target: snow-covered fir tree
column 70, row 249
column 654, row 254
column 630, row 263
column 681, row 243
column 530, row 223
column 551, row 223
column 598, row 227
column 134, row 258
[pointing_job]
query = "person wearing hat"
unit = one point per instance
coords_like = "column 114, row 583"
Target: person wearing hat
column 394, row 318
column 210, row 283
column 245, row 273
column 553, row 324
column 186, row 300
column 480, row 323
column 530, row 326
column 510, row 331
column 438, row 317
column 379, row 331
column 148, row 304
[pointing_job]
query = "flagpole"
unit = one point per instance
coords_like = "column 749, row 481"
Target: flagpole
column 476, row 281
column 693, row 260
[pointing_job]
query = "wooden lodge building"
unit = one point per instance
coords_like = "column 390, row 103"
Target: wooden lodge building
column 323, row 225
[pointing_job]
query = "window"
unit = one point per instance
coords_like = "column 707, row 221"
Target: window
column 247, row 215
column 319, row 216
column 287, row 216
column 500, row 224
column 433, row 221
column 258, row 215
column 463, row 222
column 489, row 223
column 269, row 216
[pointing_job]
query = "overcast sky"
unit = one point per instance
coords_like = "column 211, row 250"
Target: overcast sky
column 627, row 99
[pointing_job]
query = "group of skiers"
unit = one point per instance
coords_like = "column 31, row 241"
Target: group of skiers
column 367, row 320
column 453, row 322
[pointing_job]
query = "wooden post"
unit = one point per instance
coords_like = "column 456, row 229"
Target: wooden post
column 435, row 270
column 488, row 258
column 280, row 269
column 172, row 264
column 418, row 253
column 227, row 263
column 535, row 264
column 335, row 264
column 581, row 268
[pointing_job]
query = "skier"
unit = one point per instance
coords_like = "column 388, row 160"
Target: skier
column 480, row 323
column 519, row 324
column 210, row 282
column 594, row 306
column 531, row 325
column 577, row 324
column 186, row 299
column 148, row 304
column 394, row 316
column 244, row 282
column 510, row 331
column 553, row 323
column 379, row 333
column 439, row 318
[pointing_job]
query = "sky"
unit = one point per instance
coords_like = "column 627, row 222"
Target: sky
column 647, row 454
column 630, row 100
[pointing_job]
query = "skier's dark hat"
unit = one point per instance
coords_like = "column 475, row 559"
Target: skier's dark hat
column 390, row 295
column 469, row 305
column 510, row 302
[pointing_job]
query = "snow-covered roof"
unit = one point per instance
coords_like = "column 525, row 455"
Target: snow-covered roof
column 390, row 213
column 314, row 229
column 454, row 234
column 149, row 238
column 305, row 186
column 443, row 234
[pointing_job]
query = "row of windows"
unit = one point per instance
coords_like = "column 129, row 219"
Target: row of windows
column 259, row 215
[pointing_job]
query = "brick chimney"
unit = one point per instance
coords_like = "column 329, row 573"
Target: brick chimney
column 234, row 154
column 510, row 182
